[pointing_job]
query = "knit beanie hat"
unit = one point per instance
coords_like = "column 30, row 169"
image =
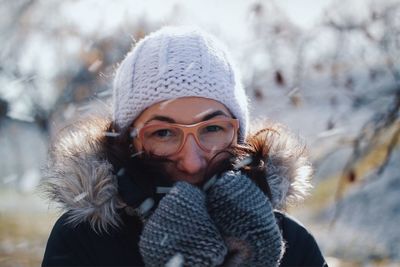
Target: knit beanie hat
column 176, row 62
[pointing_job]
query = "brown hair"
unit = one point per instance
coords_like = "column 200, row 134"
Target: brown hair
column 147, row 169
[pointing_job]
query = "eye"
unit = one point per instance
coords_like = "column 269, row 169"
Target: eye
column 213, row 128
column 162, row 133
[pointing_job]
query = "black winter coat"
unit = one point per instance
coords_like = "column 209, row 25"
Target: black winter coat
column 82, row 246
column 83, row 181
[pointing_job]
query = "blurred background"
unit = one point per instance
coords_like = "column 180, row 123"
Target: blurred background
column 328, row 69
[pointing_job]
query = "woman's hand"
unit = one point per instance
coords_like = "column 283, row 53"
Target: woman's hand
column 181, row 226
column 244, row 217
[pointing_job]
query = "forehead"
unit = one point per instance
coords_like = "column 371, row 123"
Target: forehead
column 185, row 110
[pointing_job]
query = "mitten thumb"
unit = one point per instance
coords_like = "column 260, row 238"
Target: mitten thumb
column 245, row 218
column 181, row 226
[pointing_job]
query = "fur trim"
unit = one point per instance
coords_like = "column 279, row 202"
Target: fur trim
column 287, row 168
column 81, row 180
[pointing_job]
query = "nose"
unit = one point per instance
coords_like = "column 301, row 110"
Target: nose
column 191, row 159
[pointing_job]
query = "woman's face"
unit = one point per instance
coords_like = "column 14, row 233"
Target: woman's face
column 189, row 163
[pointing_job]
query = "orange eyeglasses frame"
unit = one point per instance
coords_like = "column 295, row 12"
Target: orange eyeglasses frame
column 192, row 129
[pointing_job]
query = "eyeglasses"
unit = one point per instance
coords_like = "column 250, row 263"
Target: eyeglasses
column 166, row 139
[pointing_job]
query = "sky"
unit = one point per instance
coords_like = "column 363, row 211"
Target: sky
column 305, row 12
column 226, row 15
column 227, row 18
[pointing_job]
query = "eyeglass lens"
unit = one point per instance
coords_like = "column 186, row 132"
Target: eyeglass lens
column 164, row 140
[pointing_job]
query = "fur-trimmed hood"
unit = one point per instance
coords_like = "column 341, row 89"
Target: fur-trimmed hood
column 80, row 178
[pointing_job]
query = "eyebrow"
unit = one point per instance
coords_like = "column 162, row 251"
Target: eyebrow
column 204, row 118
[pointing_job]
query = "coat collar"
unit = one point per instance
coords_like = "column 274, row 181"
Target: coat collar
column 82, row 181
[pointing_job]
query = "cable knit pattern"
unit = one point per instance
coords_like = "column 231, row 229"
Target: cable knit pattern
column 245, row 218
column 177, row 62
column 181, row 226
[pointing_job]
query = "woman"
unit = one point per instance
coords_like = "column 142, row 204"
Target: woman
column 174, row 177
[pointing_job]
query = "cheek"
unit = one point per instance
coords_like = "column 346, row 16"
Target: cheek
column 235, row 140
column 137, row 145
column 211, row 157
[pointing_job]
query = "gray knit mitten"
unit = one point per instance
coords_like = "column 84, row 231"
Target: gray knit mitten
column 245, row 218
column 181, row 228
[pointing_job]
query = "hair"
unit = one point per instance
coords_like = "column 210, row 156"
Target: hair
column 148, row 171
column 137, row 173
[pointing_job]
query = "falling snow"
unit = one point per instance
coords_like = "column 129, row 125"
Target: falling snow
column 166, row 103
column 162, row 190
column 80, row 196
column 121, row 172
column 164, row 239
column 137, row 154
column 146, row 205
column 134, row 133
column 111, row 134
column 242, row 163
column 201, row 114
column 175, row 261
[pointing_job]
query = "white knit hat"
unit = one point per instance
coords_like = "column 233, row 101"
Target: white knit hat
column 177, row 62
